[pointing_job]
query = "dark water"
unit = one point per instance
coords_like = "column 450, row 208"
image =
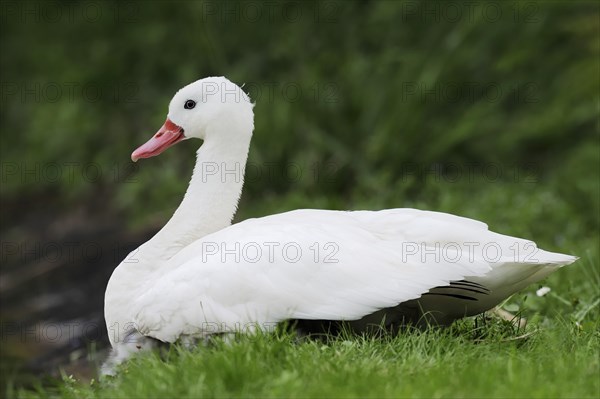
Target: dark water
column 55, row 267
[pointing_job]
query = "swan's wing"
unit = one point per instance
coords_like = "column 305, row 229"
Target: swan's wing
column 311, row 265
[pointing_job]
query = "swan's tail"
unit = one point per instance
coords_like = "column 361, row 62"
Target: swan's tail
column 548, row 262
column 553, row 259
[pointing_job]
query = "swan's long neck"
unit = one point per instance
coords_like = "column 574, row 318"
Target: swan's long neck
column 208, row 206
column 211, row 198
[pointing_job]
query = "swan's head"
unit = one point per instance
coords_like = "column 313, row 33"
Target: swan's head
column 207, row 107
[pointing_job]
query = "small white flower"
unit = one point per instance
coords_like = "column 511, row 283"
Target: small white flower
column 542, row 291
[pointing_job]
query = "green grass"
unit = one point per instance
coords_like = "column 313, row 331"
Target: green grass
column 560, row 361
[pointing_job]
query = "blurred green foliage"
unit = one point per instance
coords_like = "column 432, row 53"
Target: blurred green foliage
column 365, row 98
column 489, row 110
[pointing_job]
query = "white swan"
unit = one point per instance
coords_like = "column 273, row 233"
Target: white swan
column 200, row 276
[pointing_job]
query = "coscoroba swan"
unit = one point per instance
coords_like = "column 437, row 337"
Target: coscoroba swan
column 200, row 275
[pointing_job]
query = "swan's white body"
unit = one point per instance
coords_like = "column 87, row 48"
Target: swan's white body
column 200, row 276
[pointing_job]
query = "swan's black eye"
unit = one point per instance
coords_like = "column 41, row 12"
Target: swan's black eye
column 189, row 104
